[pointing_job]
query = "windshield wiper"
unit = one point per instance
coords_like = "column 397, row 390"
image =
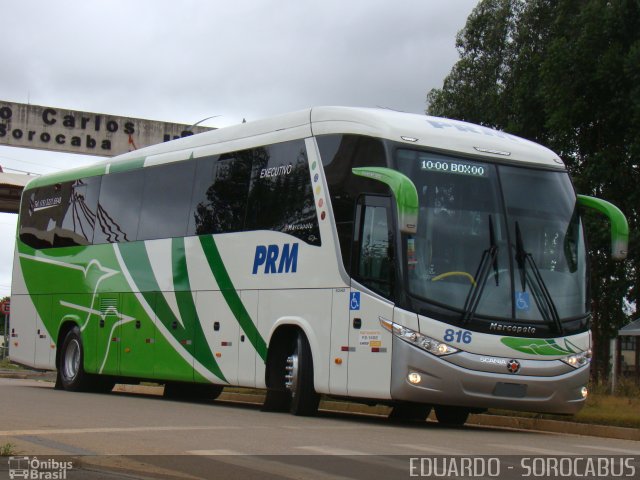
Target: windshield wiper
column 489, row 258
column 492, row 240
column 541, row 294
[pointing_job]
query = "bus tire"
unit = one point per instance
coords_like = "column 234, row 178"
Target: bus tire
column 452, row 416
column 71, row 374
column 277, row 401
column 304, row 399
column 408, row 412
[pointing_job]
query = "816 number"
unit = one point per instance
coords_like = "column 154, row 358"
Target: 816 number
column 458, row 336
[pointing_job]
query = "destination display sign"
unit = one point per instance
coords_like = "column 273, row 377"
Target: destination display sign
column 456, row 167
column 58, row 129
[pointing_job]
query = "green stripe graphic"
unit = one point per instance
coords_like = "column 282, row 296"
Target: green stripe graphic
column 137, row 261
column 539, row 346
column 231, row 295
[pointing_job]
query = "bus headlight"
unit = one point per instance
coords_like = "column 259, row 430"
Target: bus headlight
column 578, row 360
column 428, row 344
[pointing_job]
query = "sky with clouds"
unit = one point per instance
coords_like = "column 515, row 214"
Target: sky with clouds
column 185, row 61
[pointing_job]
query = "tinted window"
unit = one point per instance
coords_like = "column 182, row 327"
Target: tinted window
column 206, row 196
column 264, row 188
column 166, row 200
column 42, row 210
column 375, row 262
column 281, row 194
column 341, row 153
column 200, row 205
column 119, row 207
column 224, row 204
column 60, row 215
column 76, row 227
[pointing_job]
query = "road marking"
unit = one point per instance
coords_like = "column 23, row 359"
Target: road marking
column 55, row 445
column 430, row 449
column 505, row 448
column 74, row 431
column 324, row 450
column 272, row 465
column 214, row 453
column 619, row 451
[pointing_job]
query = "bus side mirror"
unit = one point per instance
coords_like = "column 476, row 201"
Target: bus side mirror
column 619, row 225
column 403, row 190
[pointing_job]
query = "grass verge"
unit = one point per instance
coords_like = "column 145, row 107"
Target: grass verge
column 7, row 450
column 5, row 364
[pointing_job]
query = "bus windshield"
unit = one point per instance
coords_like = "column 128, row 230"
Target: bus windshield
column 495, row 241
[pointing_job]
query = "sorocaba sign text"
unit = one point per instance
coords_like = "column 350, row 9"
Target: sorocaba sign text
column 50, row 128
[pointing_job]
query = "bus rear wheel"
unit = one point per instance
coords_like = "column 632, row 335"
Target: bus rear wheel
column 299, row 379
column 452, row 416
column 71, row 374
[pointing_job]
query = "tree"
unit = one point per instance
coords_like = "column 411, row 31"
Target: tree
column 564, row 73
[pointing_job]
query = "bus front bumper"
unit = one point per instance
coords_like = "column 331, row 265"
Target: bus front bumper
column 443, row 382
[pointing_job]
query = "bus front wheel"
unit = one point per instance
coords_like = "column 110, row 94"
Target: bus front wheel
column 299, row 379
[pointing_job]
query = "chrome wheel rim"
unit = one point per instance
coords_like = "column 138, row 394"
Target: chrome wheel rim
column 291, row 377
column 71, row 364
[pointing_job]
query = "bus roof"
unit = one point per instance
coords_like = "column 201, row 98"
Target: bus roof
column 440, row 134
column 446, row 135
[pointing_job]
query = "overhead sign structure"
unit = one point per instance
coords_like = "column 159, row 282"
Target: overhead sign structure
column 57, row 129
column 11, row 185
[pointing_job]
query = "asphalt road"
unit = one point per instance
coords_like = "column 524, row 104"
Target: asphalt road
column 125, row 435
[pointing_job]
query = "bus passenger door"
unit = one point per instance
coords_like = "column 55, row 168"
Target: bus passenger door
column 137, row 339
column 372, row 284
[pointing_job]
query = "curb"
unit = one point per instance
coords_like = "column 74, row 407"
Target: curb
column 47, row 376
column 482, row 420
column 555, row 426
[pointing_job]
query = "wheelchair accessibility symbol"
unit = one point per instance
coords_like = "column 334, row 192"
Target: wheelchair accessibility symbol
column 522, row 301
column 354, row 302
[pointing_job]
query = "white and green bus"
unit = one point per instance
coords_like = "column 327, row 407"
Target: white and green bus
column 379, row 256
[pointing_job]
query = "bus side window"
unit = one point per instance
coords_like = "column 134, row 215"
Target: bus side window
column 339, row 154
column 281, row 192
column 221, row 206
column 40, row 212
column 118, row 210
column 166, row 200
column 374, row 247
column 77, row 225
